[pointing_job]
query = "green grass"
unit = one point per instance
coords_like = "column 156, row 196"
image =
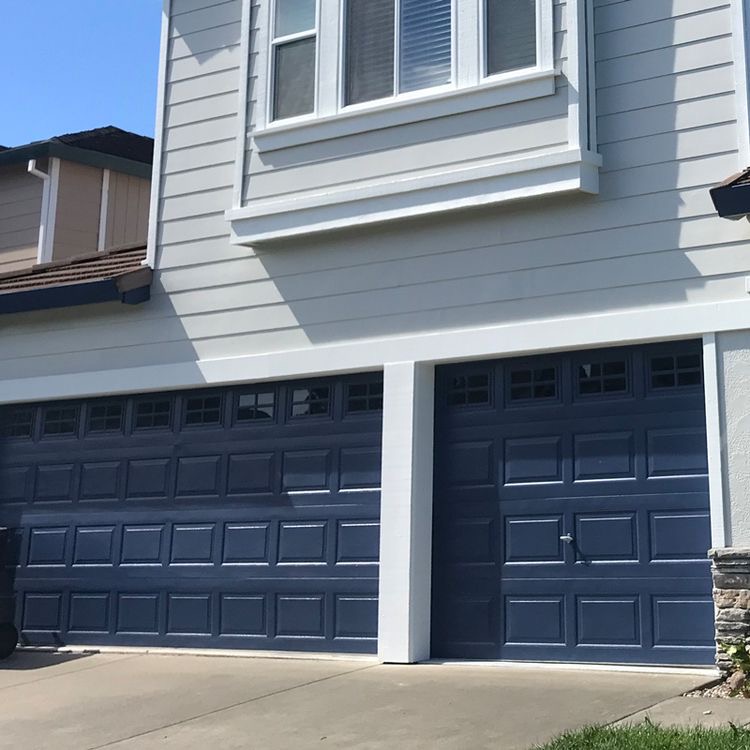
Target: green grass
column 650, row 737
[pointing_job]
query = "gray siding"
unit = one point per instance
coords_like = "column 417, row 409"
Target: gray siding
column 666, row 121
column 127, row 210
column 20, row 214
column 78, row 208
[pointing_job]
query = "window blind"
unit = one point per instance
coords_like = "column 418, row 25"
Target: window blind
column 370, row 40
column 425, row 44
column 511, row 35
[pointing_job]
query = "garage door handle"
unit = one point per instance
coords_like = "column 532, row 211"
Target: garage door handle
column 567, row 538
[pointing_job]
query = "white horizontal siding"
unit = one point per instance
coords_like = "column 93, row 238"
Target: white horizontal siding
column 667, row 131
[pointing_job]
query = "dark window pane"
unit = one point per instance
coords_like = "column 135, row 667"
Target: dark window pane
column 615, row 385
column 255, row 406
column 201, row 410
column 426, row 43
column 105, row 418
column 683, row 370
column 150, row 414
column 364, row 396
column 662, row 363
column 511, row 35
column 61, row 421
column 688, row 378
column 294, row 84
column 587, row 387
column 537, row 383
column 665, row 380
column 471, row 389
column 602, row 377
column 310, row 401
column 614, row 368
column 370, row 38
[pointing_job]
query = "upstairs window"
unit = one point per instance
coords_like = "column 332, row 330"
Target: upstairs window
column 329, row 56
column 293, row 54
column 396, row 46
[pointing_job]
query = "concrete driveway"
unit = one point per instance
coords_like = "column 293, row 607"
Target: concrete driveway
column 129, row 701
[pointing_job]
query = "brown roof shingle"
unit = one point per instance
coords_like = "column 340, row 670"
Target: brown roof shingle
column 86, row 278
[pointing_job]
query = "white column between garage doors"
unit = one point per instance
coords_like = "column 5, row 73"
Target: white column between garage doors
column 406, row 513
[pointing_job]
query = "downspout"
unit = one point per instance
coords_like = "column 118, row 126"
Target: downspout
column 32, row 169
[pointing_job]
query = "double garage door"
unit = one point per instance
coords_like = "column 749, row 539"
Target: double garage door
column 571, row 509
column 238, row 518
column 571, row 513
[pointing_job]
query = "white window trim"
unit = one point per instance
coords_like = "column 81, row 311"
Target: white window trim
column 270, row 47
column 332, row 119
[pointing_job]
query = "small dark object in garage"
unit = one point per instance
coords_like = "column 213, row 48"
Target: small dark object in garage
column 8, row 639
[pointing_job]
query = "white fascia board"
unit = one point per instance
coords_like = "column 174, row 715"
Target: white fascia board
column 538, row 337
column 459, row 187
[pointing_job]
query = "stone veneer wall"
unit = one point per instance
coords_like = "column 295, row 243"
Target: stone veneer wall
column 730, row 568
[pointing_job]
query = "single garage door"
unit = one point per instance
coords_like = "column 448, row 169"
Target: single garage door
column 234, row 518
column 571, row 508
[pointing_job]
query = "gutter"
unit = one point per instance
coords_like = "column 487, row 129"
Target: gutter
column 44, row 218
column 51, row 149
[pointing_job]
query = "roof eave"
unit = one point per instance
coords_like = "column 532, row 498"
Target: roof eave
column 129, row 289
column 46, row 149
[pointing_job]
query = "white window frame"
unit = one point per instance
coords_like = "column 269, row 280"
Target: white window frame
column 273, row 43
column 469, row 89
column 396, row 97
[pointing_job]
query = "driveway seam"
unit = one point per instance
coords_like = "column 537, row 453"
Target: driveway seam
column 71, row 672
column 230, row 707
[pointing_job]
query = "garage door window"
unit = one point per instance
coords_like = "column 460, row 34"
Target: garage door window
column 600, row 377
column 105, row 418
column 364, row 397
column 151, row 415
column 310, row 402
column 202, row 410
column 256, row 406
column 675, row 372
column 60, row 421
column 533, row 384
column 18, row 423
column 472, row 389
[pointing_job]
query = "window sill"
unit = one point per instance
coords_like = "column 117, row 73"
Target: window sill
column 457, row 187
column 513, row 87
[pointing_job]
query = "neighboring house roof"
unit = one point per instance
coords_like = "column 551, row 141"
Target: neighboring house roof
column 100, row 277
column 732, row 197
column 108, row 148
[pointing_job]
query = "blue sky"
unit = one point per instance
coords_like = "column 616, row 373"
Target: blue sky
column 69, row 65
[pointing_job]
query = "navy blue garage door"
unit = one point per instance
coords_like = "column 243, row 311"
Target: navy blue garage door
column 237, row 518
column 571, row 508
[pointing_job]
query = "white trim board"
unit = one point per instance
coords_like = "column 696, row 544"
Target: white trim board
column 101, row 242
column 740, row 10
column 717, row 497
column 244, row 84
column 161, row 104
column 457, row 187
column 581, row 332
